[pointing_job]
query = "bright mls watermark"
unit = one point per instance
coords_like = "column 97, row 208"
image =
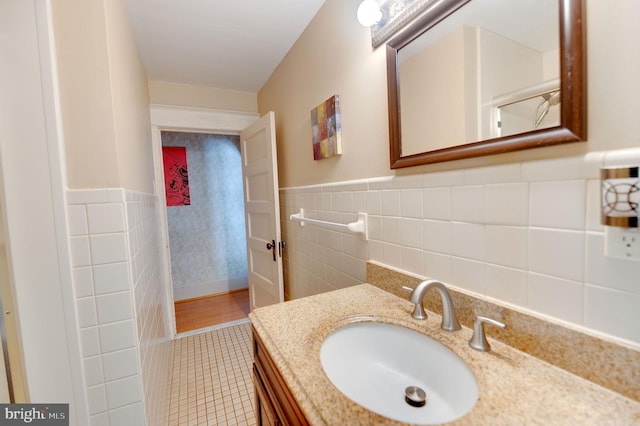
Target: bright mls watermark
column 34, row 414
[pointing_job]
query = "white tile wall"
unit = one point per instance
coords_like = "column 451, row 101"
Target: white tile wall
column 120, row 305
column 151, row 310
column 527, row 234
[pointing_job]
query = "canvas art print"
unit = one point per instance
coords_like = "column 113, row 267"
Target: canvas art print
column 176, row 176
column 325, row 129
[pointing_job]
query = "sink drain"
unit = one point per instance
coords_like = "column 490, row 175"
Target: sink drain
column 415, row 396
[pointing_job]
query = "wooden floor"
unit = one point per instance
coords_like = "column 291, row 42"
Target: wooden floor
column 202, row 312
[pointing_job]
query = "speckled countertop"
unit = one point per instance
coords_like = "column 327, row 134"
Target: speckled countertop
column 514, row 388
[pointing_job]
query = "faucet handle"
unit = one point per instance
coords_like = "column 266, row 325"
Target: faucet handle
column 479, row 339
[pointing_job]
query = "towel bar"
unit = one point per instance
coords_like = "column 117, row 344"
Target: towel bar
column 357, row 227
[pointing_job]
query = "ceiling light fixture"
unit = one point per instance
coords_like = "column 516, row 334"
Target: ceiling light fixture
column 369, row 13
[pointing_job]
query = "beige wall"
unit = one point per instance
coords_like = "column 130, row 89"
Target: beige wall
column 334, row 56
column 104, row 97
column 161, row 93
column 131, row 116
column 85, row 94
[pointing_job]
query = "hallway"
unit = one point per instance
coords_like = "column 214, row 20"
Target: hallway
column 211, row 378
column 203, row 312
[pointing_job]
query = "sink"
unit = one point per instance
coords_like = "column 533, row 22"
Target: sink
column 374, row 363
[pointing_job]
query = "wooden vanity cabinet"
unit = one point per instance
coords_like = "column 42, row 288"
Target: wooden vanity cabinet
column 274, row 404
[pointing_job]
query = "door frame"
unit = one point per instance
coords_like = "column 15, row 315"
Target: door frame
column 184, row 119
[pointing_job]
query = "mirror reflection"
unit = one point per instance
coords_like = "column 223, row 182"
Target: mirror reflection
column 489, row 70
column 522, row 113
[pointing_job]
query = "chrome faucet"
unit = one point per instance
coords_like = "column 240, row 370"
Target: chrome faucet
column 449, row 320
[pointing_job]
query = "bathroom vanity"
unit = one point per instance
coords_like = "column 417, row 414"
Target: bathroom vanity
column 274, row 403
column 513, row 387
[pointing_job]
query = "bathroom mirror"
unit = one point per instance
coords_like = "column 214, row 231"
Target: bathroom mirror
column 478, row 77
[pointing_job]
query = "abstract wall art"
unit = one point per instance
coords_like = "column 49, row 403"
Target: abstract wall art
column 176, row 176
column 325, row 129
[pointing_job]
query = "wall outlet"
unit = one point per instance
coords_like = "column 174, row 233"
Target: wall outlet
column 622, row 242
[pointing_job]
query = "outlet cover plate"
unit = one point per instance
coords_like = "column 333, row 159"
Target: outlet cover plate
column 622, row 242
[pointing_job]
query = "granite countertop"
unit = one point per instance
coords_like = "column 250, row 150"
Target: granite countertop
column 514, row 387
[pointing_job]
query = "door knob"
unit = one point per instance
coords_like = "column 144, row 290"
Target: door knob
column 272, row 246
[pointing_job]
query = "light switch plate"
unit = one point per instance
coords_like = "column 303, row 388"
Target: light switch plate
column 622, row 242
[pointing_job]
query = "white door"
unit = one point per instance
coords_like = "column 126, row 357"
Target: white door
column 262, row 212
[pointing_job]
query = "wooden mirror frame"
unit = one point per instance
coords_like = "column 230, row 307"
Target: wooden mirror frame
column 573, row 106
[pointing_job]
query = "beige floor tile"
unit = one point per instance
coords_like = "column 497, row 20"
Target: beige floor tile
column 211, row 378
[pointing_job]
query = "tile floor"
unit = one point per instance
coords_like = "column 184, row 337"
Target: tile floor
column 211, row 378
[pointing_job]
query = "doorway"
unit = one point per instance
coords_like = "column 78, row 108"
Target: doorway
column 206, row 228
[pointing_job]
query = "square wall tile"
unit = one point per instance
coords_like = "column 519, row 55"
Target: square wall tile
column 129, row 415
column 558, row 253
column 336, row 201
column 374, row 202
column 93, row 371
column 120, row 364
column 109, row 248
column 360, row 202
column 558, row 204
column 391, row 230
column 436, row 203
column 80, row 251
column 101, row 419
column 468, row 240
column 86, row 311
column 559, row 298
column 347, row 202
column 106, row 218
column 97, row 399
column 325, row 203
column 349, row 244
column 117, row 336
column 507, row 246
column 391, row 202
column 90, row 342
column 507, row 284
column 468, row 274
column 594, row 207
column 83, row 281
column 114, row 307
column 436, row 266
column 507, row 204
column 392, row 255
column 111, row 277
column 411, row 230
column 77, row 220
column 124, row 392
column 412, row 260
column 376, row 251
column 436, row 236
column 613, row 312
column 467, row 203
column 411, row 203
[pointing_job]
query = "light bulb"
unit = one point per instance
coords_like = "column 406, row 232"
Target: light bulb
column 369, row 13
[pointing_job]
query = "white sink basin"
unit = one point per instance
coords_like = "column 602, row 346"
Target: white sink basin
column 373, row 363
